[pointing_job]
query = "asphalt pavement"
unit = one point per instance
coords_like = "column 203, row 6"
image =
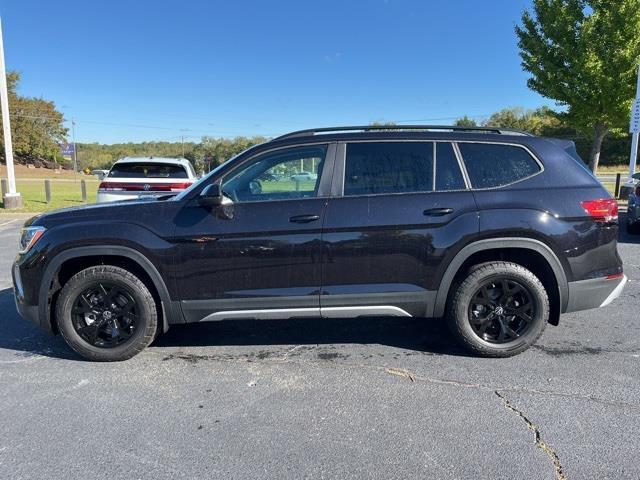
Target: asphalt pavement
column 364, row 398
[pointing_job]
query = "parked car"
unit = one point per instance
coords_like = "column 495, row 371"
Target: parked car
column 100, row 173
column 633, row 210
column 498, row 231
column 135, row 177
column 304, row 177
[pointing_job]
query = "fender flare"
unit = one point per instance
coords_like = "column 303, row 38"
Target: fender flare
column 497, row 243
column 109, row 250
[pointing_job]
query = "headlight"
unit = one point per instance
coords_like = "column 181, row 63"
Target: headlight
column 28, row 238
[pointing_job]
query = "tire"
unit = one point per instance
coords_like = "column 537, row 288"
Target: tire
column 480, row 328
column 128, row 328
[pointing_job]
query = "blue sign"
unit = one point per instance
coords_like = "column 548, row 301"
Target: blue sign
column 67, row 149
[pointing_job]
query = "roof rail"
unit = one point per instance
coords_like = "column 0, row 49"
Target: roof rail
column 367, row 128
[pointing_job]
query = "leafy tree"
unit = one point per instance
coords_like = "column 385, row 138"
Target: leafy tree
column 541, row 121
column 465, row 122
column 583, row 54
column 36, row 126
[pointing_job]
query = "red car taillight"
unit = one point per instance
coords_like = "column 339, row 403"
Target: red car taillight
column 143, row 187
column 602, row 210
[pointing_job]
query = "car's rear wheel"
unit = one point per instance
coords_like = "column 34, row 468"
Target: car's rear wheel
column 106, row 313
column 499, row 310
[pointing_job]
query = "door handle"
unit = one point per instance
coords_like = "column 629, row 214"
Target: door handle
column 437, row 212
column 304, row 218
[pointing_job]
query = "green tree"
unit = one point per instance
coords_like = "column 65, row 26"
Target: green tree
column 583, row 54
column 465, row 122
column 541, row 121
column 36, row 126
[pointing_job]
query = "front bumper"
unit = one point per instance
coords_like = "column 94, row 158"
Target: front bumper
column 594, row 293
column 26, row 311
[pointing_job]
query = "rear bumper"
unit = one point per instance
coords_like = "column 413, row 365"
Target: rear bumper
column 594, row 293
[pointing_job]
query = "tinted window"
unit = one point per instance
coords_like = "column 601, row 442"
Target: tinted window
column 494, row 165
column 388, row 167
column 286, row 174
column 147, row 170
column 448, row 174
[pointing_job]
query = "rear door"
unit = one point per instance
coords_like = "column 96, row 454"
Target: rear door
column 400, row 210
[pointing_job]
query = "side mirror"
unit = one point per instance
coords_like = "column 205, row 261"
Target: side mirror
column 211, row 196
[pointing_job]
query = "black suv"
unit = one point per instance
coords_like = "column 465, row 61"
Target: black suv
column 497, row 230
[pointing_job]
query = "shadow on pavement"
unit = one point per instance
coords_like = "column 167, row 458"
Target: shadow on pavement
column 422, row 335
column 24, row 337
column 418, row 334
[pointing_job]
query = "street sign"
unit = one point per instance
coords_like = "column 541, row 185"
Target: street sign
column 67, row 149
column 634, row 126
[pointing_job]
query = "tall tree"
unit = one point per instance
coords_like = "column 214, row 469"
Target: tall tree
column 36, row 126
column 583, row 54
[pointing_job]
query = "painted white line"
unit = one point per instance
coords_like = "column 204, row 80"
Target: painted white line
column 9, row 222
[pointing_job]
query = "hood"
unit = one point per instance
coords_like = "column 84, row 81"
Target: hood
column 125, row 210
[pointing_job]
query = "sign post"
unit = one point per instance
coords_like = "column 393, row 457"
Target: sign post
column 634, row 129
column 12, row 198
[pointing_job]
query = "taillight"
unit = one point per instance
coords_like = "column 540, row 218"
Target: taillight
column 143, row 187
column 602, row 210
column 638, row 190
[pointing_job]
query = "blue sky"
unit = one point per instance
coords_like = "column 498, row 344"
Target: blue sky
column 142, row 70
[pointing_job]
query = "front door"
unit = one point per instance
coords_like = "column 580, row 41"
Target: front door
column 260, row 257
column 400, row 210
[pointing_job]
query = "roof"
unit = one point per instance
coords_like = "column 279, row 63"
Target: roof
column 167, row 160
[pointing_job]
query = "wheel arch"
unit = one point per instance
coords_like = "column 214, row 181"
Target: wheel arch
column 82, row 255
column 505, row 247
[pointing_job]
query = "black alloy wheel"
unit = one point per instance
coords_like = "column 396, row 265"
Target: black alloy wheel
column 501, row 311
column 105, row 315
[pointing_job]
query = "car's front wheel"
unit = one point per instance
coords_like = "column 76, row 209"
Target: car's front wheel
column 105, row 313
column 499, row 310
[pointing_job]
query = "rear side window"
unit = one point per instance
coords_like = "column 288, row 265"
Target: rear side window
column 490, row 165
column 147, row 170
column 388, row 167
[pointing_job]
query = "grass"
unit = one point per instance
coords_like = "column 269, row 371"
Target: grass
column 64, row 193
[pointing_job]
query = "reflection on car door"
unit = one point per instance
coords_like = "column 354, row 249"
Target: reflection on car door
column 389, row 231
column 264, row 262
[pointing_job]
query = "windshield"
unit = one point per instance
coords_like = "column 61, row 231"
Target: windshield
column 204, row 179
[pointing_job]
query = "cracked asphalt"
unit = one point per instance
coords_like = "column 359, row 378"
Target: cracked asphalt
column 377, row 398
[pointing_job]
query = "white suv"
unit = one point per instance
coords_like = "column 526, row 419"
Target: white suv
column 135, row 177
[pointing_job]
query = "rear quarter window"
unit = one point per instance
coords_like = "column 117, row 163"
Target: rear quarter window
column 147, row 170
column 493, row 165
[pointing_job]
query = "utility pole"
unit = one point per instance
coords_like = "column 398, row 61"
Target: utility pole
column 12, row 198
column 634, row 129
column 75, row 148
column 182, row 139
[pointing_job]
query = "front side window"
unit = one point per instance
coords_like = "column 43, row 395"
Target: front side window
column 282, row 175
column 492, row 165
column 388, row 167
